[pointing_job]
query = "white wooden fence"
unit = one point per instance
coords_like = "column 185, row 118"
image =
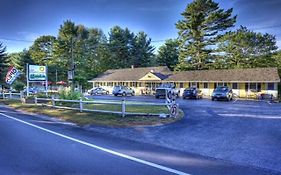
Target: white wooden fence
column 81, row 106
column 11, row 95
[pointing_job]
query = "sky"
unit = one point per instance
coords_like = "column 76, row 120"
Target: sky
column 22, row 21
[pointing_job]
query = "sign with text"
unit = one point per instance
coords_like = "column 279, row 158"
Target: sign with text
column 37, row 73
column 12, row 75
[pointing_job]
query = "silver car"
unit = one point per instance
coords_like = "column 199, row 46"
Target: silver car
column 123, row 90
column 222, row 92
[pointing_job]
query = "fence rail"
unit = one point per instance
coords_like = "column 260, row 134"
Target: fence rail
column 81, row 106
column 11, row 95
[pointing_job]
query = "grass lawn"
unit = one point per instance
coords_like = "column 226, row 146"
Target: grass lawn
column 88, row 118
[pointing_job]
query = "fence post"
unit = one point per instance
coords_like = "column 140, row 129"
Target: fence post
column 3, row 93
column 10, row 95
column 21, row 94
column 35, row 100
column 81, row 104
column 123, row 107
column 53, row 101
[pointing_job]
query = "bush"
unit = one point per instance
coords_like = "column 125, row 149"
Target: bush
column 18, row 86
column 70, row 95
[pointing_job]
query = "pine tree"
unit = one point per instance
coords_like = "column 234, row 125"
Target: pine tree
column 199, row 31
column 3, row 63
column 168, row 54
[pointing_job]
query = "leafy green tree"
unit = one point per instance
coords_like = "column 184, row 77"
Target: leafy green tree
column 142, row 51
column 3, row 63
column 204, row 22
column 41, row 50
column 19, row 60
column 64, row 45
column 168, row 54
column 246, row 49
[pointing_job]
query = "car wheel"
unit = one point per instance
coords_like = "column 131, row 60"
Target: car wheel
column 107, row 93
column 133, row 94
column 124, row 94
column 156, row 96
column 115, row 95
column 213, row 99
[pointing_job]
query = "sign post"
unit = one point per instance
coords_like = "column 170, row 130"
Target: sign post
column 27, row 80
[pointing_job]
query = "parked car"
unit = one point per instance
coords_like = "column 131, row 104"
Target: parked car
column 98, row 91
column 123, row 90
column 222, row 92
column 166, row 89
column 192, row 92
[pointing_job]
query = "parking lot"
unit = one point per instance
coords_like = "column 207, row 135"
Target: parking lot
column 243, row 132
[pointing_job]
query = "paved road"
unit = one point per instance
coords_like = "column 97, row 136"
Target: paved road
column 244, row 132
column 31, row 144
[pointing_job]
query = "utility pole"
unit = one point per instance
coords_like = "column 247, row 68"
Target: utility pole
column 72, row 64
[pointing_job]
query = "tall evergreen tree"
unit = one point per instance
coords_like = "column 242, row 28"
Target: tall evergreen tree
column 168, row 54
column 3, row 63
column 142, row 51
column 120, row 45
column 245, row 49
column 198, row 32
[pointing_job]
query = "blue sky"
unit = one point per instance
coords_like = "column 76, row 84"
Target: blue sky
column 22, row 21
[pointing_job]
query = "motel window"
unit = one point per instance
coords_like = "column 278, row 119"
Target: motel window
column 181, row 85
column 270, row 86
column 205, row 86
column 220, row 84
column 253, row 86
column 131, row 84
column 234, row 85
column 194, row 84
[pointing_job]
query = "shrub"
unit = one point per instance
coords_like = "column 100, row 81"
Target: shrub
column 18, row 86
column 70, row 95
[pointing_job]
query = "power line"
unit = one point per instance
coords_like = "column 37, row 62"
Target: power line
column 13, row 39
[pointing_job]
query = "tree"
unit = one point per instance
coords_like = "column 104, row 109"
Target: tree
column 42, row 50
column 120, row 45
column 168, row 54
column 19, row 60
column 246, row 49
column 142, row 51
column 3, row 63
column 204, row 22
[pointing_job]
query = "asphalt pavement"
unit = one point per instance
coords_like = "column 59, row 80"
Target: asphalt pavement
column 34, row 144
column 244, row 132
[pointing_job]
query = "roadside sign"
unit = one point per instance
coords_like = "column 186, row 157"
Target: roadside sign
column 37, row 73
column 12, row 75
column 174, row 109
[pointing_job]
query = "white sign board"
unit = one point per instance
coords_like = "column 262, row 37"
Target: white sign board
column 37, row 73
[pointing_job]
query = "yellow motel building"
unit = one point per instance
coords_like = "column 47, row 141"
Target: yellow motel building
column 246, row 83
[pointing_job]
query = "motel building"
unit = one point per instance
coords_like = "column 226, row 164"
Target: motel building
column 246, row 83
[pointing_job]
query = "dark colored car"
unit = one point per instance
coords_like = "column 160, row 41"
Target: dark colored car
column 99, row 91
column 123, row 90
column 222, row 92
column 192, row 93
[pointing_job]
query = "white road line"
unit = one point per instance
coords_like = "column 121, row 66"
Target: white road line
column 101, row 148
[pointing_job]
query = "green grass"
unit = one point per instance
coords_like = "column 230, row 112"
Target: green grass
column 88, row 118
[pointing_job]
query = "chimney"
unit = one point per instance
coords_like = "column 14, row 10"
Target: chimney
column 132, row 66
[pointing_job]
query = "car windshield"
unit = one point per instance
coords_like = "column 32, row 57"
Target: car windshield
column 117, row 88
column 221, row 89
